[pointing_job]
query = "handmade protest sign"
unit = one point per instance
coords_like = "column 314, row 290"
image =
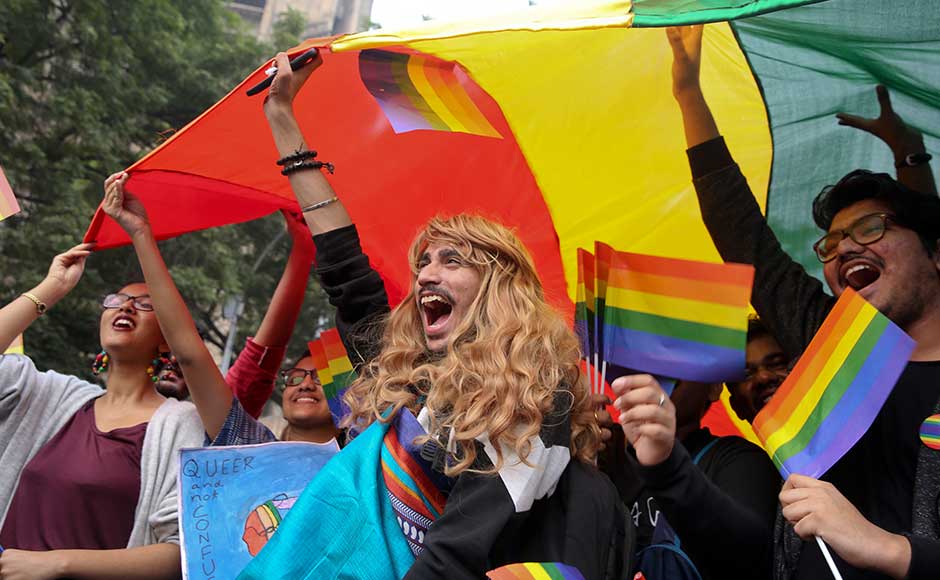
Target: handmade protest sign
column 233, row 499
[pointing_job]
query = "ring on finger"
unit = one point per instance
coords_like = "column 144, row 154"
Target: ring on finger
column 662, row 399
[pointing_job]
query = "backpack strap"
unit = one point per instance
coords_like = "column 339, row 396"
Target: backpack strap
column 704, row 450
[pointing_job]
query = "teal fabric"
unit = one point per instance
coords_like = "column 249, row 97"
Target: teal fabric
column 342, row 526
column 652, row 13
column 814, row 61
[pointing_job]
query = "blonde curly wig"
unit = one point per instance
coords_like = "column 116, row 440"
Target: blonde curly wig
column 506, row 362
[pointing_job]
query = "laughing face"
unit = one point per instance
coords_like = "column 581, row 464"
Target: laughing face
column 127, row 330
column 766, row 371
column 305, row 404
column 894, row 273
column 445, row 287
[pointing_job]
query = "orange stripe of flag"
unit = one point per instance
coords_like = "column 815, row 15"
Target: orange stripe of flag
column 734, row 274
column 452, row 94
column 318, row 354
column 678, row 287
column 780, row 407
column 333, row 344
column 603, row 257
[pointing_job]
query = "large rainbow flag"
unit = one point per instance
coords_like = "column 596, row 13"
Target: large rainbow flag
column 591, row 145
column 836, row 390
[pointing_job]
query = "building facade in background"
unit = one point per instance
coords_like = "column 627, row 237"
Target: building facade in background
column 324, row 17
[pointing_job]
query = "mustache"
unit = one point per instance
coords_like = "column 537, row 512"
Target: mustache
column 435, row 289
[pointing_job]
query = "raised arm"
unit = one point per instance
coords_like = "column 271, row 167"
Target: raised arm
column 310, row 186
column 155, row 562
column 64, row 273
column 209, row 391
column 790, row 301
column 253, row 375
column 354, row 288
column 906, row 143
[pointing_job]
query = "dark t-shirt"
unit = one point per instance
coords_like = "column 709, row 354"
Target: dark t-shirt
column 80, row 491
column 877, row 474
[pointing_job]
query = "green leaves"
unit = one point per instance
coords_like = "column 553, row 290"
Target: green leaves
column 86, row 88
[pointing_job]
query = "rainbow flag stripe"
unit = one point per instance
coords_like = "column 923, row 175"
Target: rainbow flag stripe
column 341, row 370
column 677, row 318
column 536, row 571
column 584, row 307
column 836, row 389
column 930, row 432
column 421, row 92
column 8, row 203
column 318, row 354
column 603, row 256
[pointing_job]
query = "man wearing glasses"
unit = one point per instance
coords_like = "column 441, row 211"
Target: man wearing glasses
column 878, row 506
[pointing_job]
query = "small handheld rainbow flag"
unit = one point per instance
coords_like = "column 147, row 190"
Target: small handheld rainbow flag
column 536, row 571
column 676, row 318
column 422, row 92
column 8, row 203
column 584, row 307
column 836, row 390
column 333, row 368
column 603, row 255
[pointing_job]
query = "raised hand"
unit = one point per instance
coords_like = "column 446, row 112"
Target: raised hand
column 888, row 126
column 123, row 206
column 686, row 43
column 647, row 416
column 67, row 268
column 287, row 83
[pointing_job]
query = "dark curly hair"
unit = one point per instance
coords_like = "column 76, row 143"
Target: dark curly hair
column 912, row 209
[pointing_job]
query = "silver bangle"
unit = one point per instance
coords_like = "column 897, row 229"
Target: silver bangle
column 319, row 204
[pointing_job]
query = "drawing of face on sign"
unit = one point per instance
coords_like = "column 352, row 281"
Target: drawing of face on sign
column 264, row 520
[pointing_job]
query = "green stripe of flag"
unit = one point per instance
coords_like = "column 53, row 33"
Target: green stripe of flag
column 837, row 387
column 654, row 13
column 673, row 328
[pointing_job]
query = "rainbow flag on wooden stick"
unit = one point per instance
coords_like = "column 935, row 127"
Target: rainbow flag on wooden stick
column 677, row 318
column 836, row 389
column 421, row 92
column 8, row 203
column 536, row 571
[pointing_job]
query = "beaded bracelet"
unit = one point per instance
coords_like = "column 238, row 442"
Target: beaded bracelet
column 298, row 155
column 301, row 165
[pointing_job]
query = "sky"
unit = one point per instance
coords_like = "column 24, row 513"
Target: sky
column 393, row 14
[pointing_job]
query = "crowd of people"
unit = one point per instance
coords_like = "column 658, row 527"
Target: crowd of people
column 521, row 463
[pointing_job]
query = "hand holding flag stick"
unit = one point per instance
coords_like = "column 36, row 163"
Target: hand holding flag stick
column 827, row 403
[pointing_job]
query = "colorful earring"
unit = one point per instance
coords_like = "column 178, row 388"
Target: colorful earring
column 101, row 363
column 163, row 360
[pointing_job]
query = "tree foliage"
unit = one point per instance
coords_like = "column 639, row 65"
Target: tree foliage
column 86, row 88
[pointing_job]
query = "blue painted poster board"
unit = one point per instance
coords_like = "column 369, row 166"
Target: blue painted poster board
column 232, row 499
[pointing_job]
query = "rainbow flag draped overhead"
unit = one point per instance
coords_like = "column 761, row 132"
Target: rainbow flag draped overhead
column 333, row 368
column 592, row 144
column 677, row 318
column 835, row 391
column 536, row 571
column 8, row 203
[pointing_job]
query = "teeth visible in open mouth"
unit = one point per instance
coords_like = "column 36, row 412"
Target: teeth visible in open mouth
column 860, row 275
column 123, row 323
column 432, row 298
column 857, row 268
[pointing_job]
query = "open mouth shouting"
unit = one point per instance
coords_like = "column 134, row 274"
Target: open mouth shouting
column 123, row 323
column 436, row 310
column 858, row 273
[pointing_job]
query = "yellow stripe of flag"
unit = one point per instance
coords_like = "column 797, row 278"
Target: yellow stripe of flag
column 797, row 419
column 678, row 308
column 416, row 66
column 537, row 570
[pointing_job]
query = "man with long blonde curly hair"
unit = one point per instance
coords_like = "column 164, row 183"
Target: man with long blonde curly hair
column 472, row 385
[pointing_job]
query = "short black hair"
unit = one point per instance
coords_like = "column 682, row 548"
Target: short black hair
column 756, row 328
column 912, row 209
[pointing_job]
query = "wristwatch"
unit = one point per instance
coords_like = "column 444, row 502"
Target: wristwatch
column 40, row 305
column 913, row 160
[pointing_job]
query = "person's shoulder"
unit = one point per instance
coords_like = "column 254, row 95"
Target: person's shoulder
column 731, row 446
column 19, row 368
column 180, row 418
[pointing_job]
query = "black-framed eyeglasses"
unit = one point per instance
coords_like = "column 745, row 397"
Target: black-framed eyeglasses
column 865, row 230
column 118, row 299
column 295, row 376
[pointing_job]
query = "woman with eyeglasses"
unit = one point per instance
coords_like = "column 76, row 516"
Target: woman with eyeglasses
column 305, row 408
column 88, row 475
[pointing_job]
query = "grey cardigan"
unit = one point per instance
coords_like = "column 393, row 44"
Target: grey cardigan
column 35, row 405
